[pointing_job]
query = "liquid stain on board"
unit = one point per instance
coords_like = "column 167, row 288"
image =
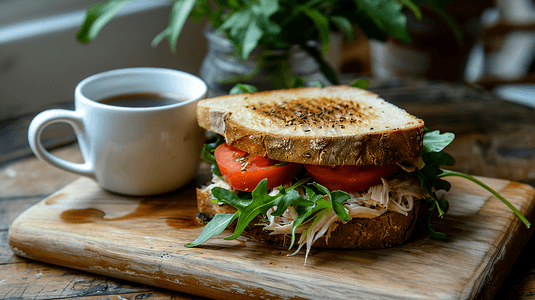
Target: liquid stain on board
column 177, row 215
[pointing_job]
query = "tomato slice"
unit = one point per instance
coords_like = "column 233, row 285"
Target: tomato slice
column 243, row 171
column 348, row 178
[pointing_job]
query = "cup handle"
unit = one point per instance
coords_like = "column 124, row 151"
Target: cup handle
column 52, row 116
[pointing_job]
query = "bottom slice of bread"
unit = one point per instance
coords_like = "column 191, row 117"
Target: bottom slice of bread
column 389, row 229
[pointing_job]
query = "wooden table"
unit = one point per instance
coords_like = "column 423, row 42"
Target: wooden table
column 494, row 139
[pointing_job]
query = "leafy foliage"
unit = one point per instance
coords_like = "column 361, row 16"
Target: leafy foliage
column 241, row 88
column 431, row 175
column 433, row 156
column 207, row 154
column 279, row 24
column 320, row 201
column 249, row 206
column 361, row 83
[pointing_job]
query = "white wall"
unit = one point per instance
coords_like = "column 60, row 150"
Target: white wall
column 41, row 62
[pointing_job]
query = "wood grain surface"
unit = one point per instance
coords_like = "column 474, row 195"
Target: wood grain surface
column 142, row 240
column 22, row 185
column 494, row 138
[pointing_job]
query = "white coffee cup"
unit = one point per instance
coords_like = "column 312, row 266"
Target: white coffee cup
column 131, row 150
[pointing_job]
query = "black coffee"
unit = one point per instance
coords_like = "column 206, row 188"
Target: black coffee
column 141, row 100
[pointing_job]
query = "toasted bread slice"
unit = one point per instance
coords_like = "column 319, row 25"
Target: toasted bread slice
column 338, row 125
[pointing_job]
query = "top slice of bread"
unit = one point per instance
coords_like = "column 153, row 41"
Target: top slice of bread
column 337, row 125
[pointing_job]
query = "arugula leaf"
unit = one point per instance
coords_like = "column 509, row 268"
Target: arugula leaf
column 242, row 89
column 249, row 208
column 207, row 154
column 337, row 198
column 297, row 82
column 434, row 141
column 493, row 192
column 214, row 227
column 431, row 175
column 433, row 156
column 361, row 83
column 303, row 212
column 317, row 83
column 427, row 217
column 226, row 196
column 260, row 204
column 291, row 198
column 440, row 159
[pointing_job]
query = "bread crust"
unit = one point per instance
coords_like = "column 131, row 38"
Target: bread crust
column 389, row 229
column 281, row 141
column 207, row 209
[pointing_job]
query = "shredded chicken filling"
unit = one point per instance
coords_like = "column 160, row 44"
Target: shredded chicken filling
column 397, row 194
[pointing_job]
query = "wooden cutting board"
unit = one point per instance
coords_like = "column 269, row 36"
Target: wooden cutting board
column 142, row 240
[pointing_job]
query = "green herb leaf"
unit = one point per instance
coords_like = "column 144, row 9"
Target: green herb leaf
column 427, row 216
column 388, row 16
column 440, row 159
column 493, row 192
column 345, row 25
column 213, row 228
column 179, row 14
column 337, row 199
column 226, row 196
column 323, row 190
column 413, row 7
column 444, row 204
column 297, row 82
column 361, row 84
column 433, row 156
column 207, row 154
column 260, row 204
column 96, row 17
column 304, row 212
column 247, row 25
column 434, row 141
column 250, row 41
column 243, row 89
column 431, row 175
column 249, row 208
column 322, row 24
column 317, row 83
column 291, row 198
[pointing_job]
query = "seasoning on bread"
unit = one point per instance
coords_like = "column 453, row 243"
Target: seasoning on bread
column 338, row 125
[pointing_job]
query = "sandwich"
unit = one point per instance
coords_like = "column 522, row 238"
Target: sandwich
column 332, row 167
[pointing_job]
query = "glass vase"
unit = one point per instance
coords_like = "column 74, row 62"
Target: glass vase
column 222, row 67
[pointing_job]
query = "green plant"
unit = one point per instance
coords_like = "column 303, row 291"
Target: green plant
column 279, row 24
